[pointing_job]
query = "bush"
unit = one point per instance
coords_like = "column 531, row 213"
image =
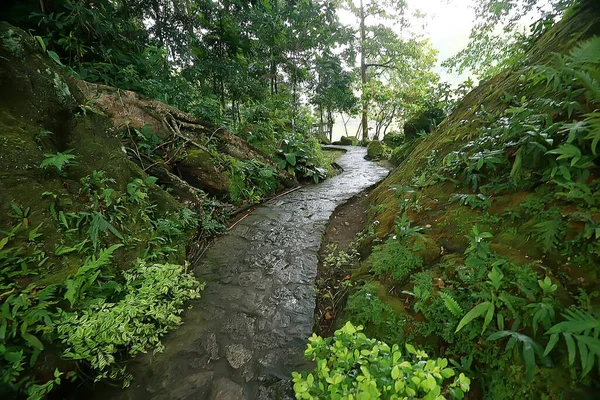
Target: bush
column 394, row 260
column 154, row 297
column 393, row 140
column 376, row 150
column 355, row 366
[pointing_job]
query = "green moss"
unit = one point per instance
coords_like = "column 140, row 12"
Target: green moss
column 12, row 43
column 401, row 153
column 348, row 141
column 394, row 260
column 376, row 150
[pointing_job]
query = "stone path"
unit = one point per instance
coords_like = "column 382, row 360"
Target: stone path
column 248, row 332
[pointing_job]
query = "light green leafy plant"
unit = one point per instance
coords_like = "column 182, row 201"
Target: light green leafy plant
column 352, row 366
column 59, row 161
column 153, row 298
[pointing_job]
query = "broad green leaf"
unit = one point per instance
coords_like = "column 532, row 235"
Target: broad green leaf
column 291, row 158
column 488, row 317
column 32, row 340
column 54, row 57
column 475, row 312
column 570, row 347
column 551, row 343
column 41, row 42
column 529, row 359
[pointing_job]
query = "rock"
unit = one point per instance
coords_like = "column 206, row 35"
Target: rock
column 375, row 150
column 401, row 153
column 200, row 170
column 226, row 389
column 192, row 385
column 237, row 355
column 323, row 139
column 348, row 141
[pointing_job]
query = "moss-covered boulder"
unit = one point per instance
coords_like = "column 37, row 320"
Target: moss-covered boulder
column 375, row 150
column 401, row 153
column 323, row 138
column 348, row 141
column 201, row 169
column 42, row 123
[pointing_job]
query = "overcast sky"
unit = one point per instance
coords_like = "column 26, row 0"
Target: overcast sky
column 447, row 24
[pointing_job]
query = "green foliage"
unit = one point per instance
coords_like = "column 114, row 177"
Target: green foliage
column 451, row 304
column 527, row 347
column 151, row 301
column 477, row 244
column 351, row 365
column 101, row 311
column 251, row 180
column 581, row 331
column 365, row 307
column 393, row 260
column 303, row 158
column 59, row 161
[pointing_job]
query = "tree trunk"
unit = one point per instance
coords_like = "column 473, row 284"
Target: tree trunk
column 330, row 124
column 363, row 74
column 345, row 121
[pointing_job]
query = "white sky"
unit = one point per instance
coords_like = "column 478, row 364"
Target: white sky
column 447, row 24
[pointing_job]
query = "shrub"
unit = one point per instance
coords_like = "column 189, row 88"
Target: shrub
column 393, row 139
column 394, row 260
column 355, row 366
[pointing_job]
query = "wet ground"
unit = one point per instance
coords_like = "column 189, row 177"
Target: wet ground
column 248, row 332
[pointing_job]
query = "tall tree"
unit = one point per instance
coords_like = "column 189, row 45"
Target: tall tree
column 367, row 10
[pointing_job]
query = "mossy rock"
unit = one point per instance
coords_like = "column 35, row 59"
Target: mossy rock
column 427, row 248
column 375, row 150
column 38, row 116
column 200, row 169
column 401, row 153
column 323, row 139
column 348, row 141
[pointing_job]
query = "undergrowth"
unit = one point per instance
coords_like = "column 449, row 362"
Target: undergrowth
column 513, row 303
column 109, row 305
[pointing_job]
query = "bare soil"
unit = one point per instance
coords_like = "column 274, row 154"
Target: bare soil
column 347, row 221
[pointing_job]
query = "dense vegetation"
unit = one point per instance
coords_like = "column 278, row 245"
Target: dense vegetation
column 485, row 238
column 483, row 248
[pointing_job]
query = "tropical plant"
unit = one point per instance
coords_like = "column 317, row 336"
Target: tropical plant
column 351, row 365
column 59, row 161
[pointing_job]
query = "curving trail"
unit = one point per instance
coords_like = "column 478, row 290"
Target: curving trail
column 248, row 332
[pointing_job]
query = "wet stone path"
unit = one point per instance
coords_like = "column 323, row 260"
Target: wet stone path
column 248, row 332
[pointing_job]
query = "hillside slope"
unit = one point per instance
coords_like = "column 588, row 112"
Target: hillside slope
column 489, row 231
column 92, row 247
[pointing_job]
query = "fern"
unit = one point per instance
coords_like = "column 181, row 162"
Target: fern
column 59, row 160
column 99, row 225
column 580, row 331
column 451, row 304
column 548, row 232
column 587, row 52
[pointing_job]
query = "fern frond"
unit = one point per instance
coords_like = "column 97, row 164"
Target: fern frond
column 587, row 52
column 592, row 86
column 580, row 331
column 451, row 304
